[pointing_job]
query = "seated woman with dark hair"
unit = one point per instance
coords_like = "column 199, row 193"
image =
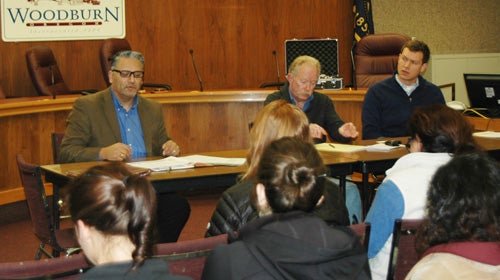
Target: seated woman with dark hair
column 460, row 235
column 287, row 241
column 114, row 214
column 437, row 133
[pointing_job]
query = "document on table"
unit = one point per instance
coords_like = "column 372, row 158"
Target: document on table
column 341, row 148
column 382, row 147
column 176, row 163
column 487, row 134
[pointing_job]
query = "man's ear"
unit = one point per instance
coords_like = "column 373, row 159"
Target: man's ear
column 424, row 67
column 262, row 204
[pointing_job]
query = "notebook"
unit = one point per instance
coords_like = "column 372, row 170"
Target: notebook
column 483, row 91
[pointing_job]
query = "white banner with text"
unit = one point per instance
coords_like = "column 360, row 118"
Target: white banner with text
column 61, row 20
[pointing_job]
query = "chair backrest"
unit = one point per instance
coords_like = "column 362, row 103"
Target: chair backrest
column 363, row 231
column 69, row 267
column 44, row 72
column 376, row 57
column 403, row 252
column 109, row 48
column 38, row 205
column 188, row 257
column 56, row 139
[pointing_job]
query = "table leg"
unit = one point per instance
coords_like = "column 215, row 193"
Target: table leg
column 55, row 205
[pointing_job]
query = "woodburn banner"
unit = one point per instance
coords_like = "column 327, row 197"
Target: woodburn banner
column 61, row 20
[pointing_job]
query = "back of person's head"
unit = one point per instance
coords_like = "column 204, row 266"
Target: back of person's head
column 418, row 46
column 277, row 119
column 293, row 175
column 116, row 203
column 301, row 60
column 126, row 54
column 463, row 202
column 442, row 130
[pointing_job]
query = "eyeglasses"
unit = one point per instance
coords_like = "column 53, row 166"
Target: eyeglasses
column 406, row 59
column 127, row 74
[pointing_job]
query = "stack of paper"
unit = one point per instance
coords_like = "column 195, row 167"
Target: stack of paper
column 208, row 160
column 341, row 148
column 487, row 134
column 175, row 163
column 381, row 147
column 164, row 164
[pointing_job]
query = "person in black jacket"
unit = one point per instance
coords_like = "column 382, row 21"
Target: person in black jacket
column 276, row 120
column 302, row 77
column 288, row 241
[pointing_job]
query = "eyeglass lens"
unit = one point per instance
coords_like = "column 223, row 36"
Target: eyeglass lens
column 126, row 73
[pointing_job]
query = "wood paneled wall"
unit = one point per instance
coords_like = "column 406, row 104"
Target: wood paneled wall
column 213, row 121
column 233, row 43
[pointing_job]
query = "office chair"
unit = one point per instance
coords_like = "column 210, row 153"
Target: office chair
column 376, row 57
column 403, row 252
column 56, row 140
column 58, row 268
column 188, row 257
column 61, row 240
column 45, row 74
column 109, row 48
column 362, row 230
column 275, row 84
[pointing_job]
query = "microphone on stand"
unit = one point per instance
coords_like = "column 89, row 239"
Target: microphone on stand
column 354, row 84
column 196, row 69
column 277, row 65
column 52, row 81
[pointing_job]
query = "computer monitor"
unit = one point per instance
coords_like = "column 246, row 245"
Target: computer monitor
column 483, row 91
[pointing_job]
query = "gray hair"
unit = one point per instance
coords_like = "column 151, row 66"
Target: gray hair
column 304, row 59
column 127, row 54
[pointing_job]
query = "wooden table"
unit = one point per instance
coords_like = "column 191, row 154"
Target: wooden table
column 186, row 179
column 213, row 120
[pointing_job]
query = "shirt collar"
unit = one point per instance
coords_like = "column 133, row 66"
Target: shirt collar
column 118, row 105
column 408, row 89
column 308, row 101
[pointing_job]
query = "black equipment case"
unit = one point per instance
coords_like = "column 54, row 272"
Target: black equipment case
column 324, row 50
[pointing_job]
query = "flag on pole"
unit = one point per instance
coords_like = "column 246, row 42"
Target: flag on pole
column 363, row 21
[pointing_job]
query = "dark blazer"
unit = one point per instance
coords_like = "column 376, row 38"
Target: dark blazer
column 93, row 124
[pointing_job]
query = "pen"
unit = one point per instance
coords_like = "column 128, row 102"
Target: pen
column 331, row 145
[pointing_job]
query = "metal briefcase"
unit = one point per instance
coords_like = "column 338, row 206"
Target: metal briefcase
column 324, row 50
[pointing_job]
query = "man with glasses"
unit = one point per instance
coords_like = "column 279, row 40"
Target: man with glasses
column 389, row 103
column 303, row 75
column 117, row 124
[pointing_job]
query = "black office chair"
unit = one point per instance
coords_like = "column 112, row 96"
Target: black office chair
column 45, row 74
column 109, row 48
column 275, row 84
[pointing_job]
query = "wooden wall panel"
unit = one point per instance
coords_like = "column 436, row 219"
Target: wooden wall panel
column 214, row 121
column 232, row 41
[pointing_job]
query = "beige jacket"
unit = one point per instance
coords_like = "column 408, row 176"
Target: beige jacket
column 469, row 260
